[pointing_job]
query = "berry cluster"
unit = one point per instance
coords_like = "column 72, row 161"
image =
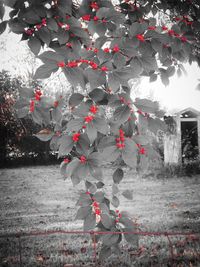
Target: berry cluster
column 118, row 216
column 142, row 150
column 76, row 63
column 93, row 109
column 94, row 6
column 75, row 137
column 32, row 106
column 37, row 27
column 38, row 95
column 88, row 119
column 95, row 18
column 96, row 208
column 120, row 140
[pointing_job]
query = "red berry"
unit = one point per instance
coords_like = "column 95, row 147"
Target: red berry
column 55, row 104
column 75, row 137
column 106, row 50
column 83, row 159
column 94, row 5
column 104, row 68
column 116, row 49
column 93, row 109
column 86, row 17
column 88, row 119
column 152, row 28
column 164, row 28
column 61, row 64
column 66, row 160
column 96, row 50
column 96, row 18
column 32, row 106
column 140, row 37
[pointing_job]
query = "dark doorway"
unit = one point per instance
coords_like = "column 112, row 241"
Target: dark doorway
column 189, row 140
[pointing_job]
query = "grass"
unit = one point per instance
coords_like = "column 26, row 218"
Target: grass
column 37, row 198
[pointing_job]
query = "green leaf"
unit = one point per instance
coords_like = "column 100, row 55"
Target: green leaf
column 75, row 76
column 121, row 114
column 45, row 35
column 3, row 26
column 136, row 28
column 99, row 196
column 97, row 95
column 101, row 125
column 118, row 176
column 119, row 60
column 149, row 63
column 91, row 132
column 110, row 154
column 110, row 239
column 136, row 65
column 97, row 27
column 45, row 135
column 106, row 221
column 52, row 24
column 146, row 105
column 45, row 71
column 113, row 81
column 115, row 189
column 95, row 77
column 71, row 167
column 75, row 99
column 74, row 125
column 34, row 45
column 83, row 212
column 66, row 145
column 115, row 201
column 128, row 194
column 89, row 222
column 129, row 153
column 63, row 36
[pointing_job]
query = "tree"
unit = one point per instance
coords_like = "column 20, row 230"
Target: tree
column 99, row 46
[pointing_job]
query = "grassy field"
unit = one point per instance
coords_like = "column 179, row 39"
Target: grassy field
column 37, row 198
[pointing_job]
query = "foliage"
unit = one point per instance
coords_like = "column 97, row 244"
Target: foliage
column 100, row 46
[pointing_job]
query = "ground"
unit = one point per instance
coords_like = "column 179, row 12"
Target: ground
column 37, row 198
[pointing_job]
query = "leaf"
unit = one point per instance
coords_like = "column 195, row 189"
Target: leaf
column 119, row 60
column 110, row 154
column 83, row 212
column 71, row 167
column 91, row 132
column 121, row 114
column 75, row 76
column 149, row 63
column 129, row 153
column 97, row 95
column 34, row 45
column 45, row 135
column 63, row 36
column 128, row 194
column 75, row 99
column 136, row 65
column 45, row 71
column 95, row 77
column 113, row 81
column 89, row 222
column 146, row 105
column 101, row 125
column 115, row 189
column 2, row 10
column 74, row 125
column 3, row 26
column 99, row 196
column 115, row 201
column 106, row 221
column 118, row 176
column 66, row 145
column 52, row 24
column 110, row 239
column 45, row 35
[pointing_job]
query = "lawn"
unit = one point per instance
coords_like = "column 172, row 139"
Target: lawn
column 37, row 199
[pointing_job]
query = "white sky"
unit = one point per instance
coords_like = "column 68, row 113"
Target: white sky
column 180, row 94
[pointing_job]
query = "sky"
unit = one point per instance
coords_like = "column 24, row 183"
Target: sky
column 180, row 94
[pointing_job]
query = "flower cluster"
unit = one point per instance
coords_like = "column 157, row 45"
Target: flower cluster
column 120, row 140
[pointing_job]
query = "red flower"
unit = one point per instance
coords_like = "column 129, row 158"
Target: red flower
column 96, row 18
column 140, row 37
column 75, row 137
column 104, row 68
column 164, row 28
column 116, row 48
column 94, row 5
column 88, row 119
column 66, row 160
column 32, row 106
column 83, row 159
column 55, row 104
column 61, row 64
column 86, row 17
column 93, row 109
column 183, row 39
column 72, row 64
column 152, row 28
column 106, row 50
